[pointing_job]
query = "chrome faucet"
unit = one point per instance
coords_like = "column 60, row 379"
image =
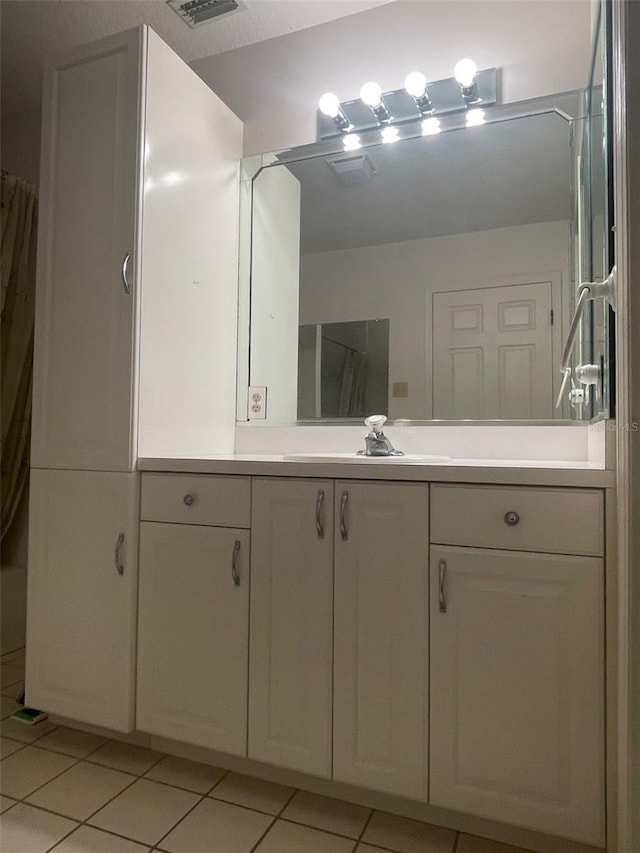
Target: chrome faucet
column 376, row 442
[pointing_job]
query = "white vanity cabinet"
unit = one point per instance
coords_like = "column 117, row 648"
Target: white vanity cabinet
column 81, row 619
column 137, row 259
column 291, row 655
column 193, row 610
column 517, row 657
column 380, row 730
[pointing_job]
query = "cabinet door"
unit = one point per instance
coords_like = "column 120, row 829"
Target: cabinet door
column 517, row 689
column 82, row 396
column 381, row 635
column 292, row 624
column 81, row 607
column 193, row 633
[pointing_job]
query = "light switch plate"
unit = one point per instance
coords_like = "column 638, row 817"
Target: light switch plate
column 257, row 402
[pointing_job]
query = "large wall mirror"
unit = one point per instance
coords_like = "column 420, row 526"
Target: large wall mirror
column 429, row 279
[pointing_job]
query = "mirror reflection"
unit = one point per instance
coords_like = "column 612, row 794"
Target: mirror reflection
column 427, row 279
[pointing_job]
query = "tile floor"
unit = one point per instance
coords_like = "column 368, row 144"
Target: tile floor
column 71, row 792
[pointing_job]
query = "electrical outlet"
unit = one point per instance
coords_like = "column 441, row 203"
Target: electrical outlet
column 400, row 389
column 257, row 402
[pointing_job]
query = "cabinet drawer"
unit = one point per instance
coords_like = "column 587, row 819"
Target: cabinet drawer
column 562, row 521
column 196, row 499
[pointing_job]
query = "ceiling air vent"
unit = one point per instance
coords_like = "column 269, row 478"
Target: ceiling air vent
column 196, row 12
column 353, row 169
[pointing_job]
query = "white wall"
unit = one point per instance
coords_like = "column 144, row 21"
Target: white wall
column 392, row 281
column 540, row 46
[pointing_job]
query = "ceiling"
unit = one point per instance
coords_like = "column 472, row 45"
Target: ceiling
column 509, row 173
column 31, row 29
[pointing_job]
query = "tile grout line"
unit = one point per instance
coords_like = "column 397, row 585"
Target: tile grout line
column 273, row 822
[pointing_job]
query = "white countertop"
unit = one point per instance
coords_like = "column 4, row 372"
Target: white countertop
column 502, row 471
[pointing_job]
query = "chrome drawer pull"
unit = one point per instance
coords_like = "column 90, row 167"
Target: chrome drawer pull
column 343, row 516
column 117, row 555
column 511, row 518
column 188, row 500
column 234, row 563
column 319, row 504
column 442, row 576
column 125, row 264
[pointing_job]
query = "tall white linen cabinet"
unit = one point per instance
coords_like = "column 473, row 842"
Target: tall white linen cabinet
column 135, row 344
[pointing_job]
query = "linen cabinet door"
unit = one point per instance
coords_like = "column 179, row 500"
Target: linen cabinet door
column 81, row 608
column 517, row 678
column 381, row 636
column 290, row 682
column 84, row 332
column 193, row 633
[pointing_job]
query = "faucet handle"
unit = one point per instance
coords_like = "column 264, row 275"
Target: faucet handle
column 374, row 423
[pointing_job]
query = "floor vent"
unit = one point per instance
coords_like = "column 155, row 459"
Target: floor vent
column 197, row 12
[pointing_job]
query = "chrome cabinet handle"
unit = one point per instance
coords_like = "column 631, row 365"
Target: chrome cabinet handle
column 234, row 563
column 125, row 264
column 512, row 519
column 319, row 505
column 188, row 500
column 442, row 576
column 343, row 516
column 118, row 556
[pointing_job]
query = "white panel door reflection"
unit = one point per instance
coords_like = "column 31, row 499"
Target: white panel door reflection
column 493, row 352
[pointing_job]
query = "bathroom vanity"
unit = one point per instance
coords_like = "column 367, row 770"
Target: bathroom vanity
column 436, row 637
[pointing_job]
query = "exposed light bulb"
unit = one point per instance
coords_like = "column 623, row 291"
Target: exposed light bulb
column 430, row 126
column 390, row 134
column 475, row 118
column 351, row 142
column 465, row 72
column 329, row 104
column 416, row 84
column 371, row 94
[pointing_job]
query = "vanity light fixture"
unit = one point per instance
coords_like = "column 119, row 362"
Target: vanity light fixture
column 371, row 95
column 465, row 73
column 475, row 118
column 418, row 100
column 390, row 134
column 330, row 105
column 415, row 85
column 430, row 126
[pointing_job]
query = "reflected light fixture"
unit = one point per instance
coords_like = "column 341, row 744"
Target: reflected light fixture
column 430, row 126
column 371, row 95
column 465, row 73
column 390, row 134
column 329, row 104
column 351, row 142
column 415, row 84
column 475, row 118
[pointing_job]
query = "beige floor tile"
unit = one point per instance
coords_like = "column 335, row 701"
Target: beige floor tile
column 30, row 768
column 10, row 674
column 408, row 836
column 252, row 793
column 23, row 732
column 217, row 827
column 7, row 706
column 189, row 775
column 81, row 790
column 6, row 803
column 126, row 757
column 8, row 746
column 86, row 839
column 29, row 830
column 145, row 812
column 367, row 848
column 286, row 837
column 326, row 813
column 473, row 844
column 71, row 742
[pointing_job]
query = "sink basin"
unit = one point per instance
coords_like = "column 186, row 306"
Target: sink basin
column 408, row 458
